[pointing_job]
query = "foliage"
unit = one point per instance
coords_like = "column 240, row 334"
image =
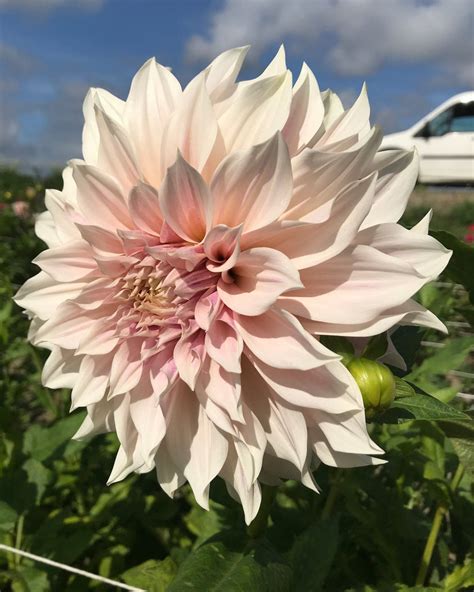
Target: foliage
column 365, row 531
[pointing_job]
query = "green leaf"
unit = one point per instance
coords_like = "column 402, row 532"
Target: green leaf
column 464, row 448
column 313, row 554
column 406, row 341
column 38, row 475
column 403, row 389
column 462, row 577
column 427, row 408
column 41, row 443
column 152, row 575
column 450, row 357
column 339, row 345
column 8, row 517
column 376, row 347
column 30, row 579
column 460, row 266
column 434, row 451
column 230, row 562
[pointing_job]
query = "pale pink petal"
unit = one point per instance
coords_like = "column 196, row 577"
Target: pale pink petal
column 192, row 129
column 116, row 155
column 423, row 252
column 423, row 226
column 234, row 474
column 222, row 72
column 354, row 287
column 334, row 458
column 100, row 238
column 222, row 247
column 196, row 446
column 279, row 340
column 224, row 344
column 111, row 105
column 354, row 120
column 68, row 263
column 145, row 208
column 223, row 389
column 100, row 198
column 62, row 215
column 318, row 388
column 61, row 369
column 258, row 278
column 308, row 244
column 319, row 176
column 169, row 476
column 92, row 381
column 408, row 313
column 306, row 113
column 189, row 356
column 69, row 324
column 185, row 201
column 397, row 175
column 254, row 186
column 257, row 111
column 45, row 229
column 154, row 95
column 41, row 294
column 333, row 108
column 149, row 422
column 126, row 368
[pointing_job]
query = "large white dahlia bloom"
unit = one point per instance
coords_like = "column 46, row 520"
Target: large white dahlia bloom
column 208, row 238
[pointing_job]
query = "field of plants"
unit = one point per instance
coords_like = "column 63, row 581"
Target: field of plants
column 402, row 526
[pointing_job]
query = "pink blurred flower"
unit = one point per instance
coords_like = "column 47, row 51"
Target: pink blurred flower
column 21, row 208
column 207, row 239
column 469, row 236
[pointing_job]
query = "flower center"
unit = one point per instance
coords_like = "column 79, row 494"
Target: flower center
column 147, row 294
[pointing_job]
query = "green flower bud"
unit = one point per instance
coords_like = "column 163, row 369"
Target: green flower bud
column 376, row 384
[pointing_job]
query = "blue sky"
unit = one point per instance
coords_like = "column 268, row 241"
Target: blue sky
column 413, row 54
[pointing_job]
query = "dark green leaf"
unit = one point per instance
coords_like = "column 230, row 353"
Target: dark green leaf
column 428, row 408
column 407, row 342
column 376, row 347
column 38, row 475
column 41, row 442
column 30, row 579
column 339, row 345
column 152, row 575
column 312, row 555
column 230, row 563
column 8, row 517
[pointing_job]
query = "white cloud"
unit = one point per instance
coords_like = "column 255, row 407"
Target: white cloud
column 364, row 34
column 47, row 5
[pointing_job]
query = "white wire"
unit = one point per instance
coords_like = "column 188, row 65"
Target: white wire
column 65, row 567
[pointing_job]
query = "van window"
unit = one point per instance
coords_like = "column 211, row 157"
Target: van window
column 441, row 124
column 458, row 118
column 463, row 118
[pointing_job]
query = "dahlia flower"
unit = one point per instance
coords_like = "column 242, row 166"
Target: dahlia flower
column 196, row 254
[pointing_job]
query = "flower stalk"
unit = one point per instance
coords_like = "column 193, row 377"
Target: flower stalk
column 441, row 510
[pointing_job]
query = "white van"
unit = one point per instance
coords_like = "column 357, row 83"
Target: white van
column 445, row 141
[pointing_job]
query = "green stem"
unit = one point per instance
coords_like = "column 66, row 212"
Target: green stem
column 19, row 536
column 258, row 525
column 441, row 510
column 332, row 496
